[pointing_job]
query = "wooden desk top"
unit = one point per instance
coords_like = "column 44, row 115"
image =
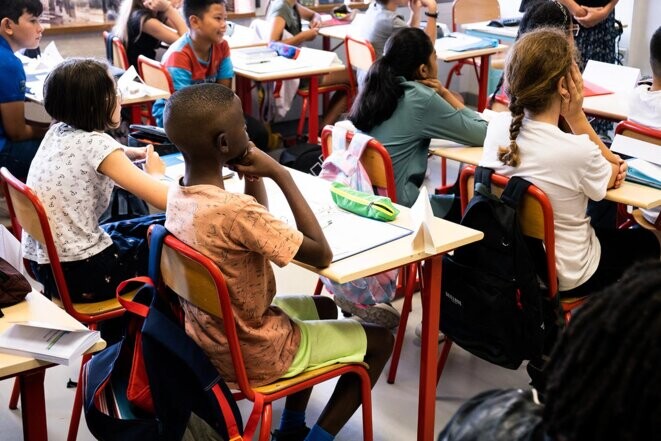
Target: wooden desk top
column 328, row 8
column 38, row 308
column 447, row 55
column 149, row 94
column 337, row 31
column 630, row 193
column 614, row 106
column 287, row 74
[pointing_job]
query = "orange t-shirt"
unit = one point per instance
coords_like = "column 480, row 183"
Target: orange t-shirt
column 241, row 236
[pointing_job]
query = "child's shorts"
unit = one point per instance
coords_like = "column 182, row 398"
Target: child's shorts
column 323, row 342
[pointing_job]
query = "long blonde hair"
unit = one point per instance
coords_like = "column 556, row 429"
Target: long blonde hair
column 121, row 28
column 533, row 67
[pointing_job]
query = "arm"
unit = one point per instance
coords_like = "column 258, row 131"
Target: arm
column 572, row 111
column 120, row 169
column 13, row 121
column 574, row 8
column 415, row 6
column 594, row 16
column 314, row 249
column 430, row 29
column 175, row 25
column 278, row 26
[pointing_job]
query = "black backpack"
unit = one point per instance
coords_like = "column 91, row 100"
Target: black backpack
column 303, row 157
column 493, row 301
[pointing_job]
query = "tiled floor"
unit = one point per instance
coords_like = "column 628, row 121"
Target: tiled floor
column 395, row 406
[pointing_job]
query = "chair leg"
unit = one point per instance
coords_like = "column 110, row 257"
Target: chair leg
column 77, row 403
column 301, row 120
column 410, row 279
column 15, row 394
column 265, row 428
column 366, row 393
column 456, row 69
column 318, row 288
column 442, row 358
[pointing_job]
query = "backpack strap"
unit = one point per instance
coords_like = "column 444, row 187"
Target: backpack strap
column 514, row 191
column 158, row 233
column 482, row 184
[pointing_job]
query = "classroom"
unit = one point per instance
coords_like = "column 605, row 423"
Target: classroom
column 315, row 220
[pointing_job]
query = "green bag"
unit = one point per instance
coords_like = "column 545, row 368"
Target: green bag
column 363, row 204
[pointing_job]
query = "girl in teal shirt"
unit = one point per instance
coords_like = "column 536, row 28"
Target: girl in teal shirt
column 404, row 106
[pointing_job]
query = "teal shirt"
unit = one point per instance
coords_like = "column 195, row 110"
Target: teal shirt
column 421, row 115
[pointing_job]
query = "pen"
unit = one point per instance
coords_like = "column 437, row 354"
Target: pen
column 327, row 224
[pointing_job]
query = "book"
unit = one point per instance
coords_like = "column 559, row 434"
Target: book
column 618, row 79
column 637, row 148
column 643, row 172
column 48, row 342
column 253, row 55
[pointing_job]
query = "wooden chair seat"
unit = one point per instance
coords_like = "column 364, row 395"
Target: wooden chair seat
column 640, row 220
column 285, row 383
column 96, row 308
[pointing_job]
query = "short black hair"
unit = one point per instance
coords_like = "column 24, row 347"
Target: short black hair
column 13, row 9
column 199, row 7
column 655, row 53
column 191, row 107
column 80, row 92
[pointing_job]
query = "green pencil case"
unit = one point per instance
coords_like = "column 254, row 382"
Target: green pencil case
column 363, row 204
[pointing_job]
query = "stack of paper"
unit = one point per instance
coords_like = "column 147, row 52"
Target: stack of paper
column 459, row 42
column 644, row 172
column 47, row 342
column 610, row 76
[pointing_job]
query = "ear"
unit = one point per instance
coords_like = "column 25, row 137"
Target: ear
column 5, row 25
column 561, row 88
column 221, row 143
column 422, row 72
column 194, row 21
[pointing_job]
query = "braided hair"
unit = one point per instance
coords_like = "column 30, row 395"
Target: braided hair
column 533, row 68
column 604, row 378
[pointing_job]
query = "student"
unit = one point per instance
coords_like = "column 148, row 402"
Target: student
column 404, row 105
column 19, row 139
column 603, row 376
column 284, row 20
column 203, row 56
column 144, row 24
column 73, row 174
column 544, row 83
column 645, row 103
column 238, row 232
column 381, row 20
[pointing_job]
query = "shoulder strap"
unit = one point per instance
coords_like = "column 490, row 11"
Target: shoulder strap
column 158, row 233
column 482, row 184
column 514, row 191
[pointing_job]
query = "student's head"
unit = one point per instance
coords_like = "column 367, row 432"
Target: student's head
column 407, row 53
column 81, row 93
column 125, row 10
column 604, row 381
column 207, row 19
column 548, row 14
column 19, row 23
column 216, row 114
column 655, row 54
column 535, row 71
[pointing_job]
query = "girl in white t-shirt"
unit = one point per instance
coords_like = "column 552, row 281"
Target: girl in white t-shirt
column 74, row 172
column 543, row 83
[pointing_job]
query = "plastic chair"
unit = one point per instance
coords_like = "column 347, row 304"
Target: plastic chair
column 115, row 50
column 536, row 220
column 27, row 213
column 360, row 55
column 378, row 166
column 647, row 134
column 322, row 90
column 196, row 278
column 470, row 11
column 154, row 74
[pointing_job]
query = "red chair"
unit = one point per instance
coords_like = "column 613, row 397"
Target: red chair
column 27, row 213
column 196, row 278
column 647, row 134
column 154, row 74
column 360, row 55
column 117, row 55
column 536, row 220
column 378, row 166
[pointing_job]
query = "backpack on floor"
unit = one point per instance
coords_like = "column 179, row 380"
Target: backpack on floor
column 156, row 383
column 493, row 301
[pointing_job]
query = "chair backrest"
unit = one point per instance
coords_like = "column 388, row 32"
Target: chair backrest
column 375, row 159
column 635, row 130
column 197, row 279
column 28, row 214
column 360, row 55
column 155, row 74
column 535, row 215
column 471, row 11
column 117, row 54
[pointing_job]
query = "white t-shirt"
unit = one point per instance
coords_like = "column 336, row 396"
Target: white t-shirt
column 645, row 107
column 569, row 169
column 74, row 194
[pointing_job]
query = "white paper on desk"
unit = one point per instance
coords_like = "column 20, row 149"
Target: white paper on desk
column 316, row 57
column 276, row 64
column 611, row 76
column 422, row 215
column 637, row 148
column 646, row 169
column 50, row 57
column 129, row 83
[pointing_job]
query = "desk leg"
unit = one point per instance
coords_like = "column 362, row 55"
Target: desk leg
column 313, row 119
column 431, row 312
column 33, row 405
column 243, row 91
column 484, row 83
column 325, row 43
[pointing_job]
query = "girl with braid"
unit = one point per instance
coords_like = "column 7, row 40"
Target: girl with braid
column 543, row 82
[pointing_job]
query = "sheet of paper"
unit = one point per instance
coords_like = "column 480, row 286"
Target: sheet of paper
column 421, row 215
column 646, row 169
column 611, row 76
column 456, row 41
column 316, row 57
column 637, row 148
column 276, row 64
column 130, row 84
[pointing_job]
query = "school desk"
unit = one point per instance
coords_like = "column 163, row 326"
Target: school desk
column 629, row 193
column 30, row 371
column 245, row 76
